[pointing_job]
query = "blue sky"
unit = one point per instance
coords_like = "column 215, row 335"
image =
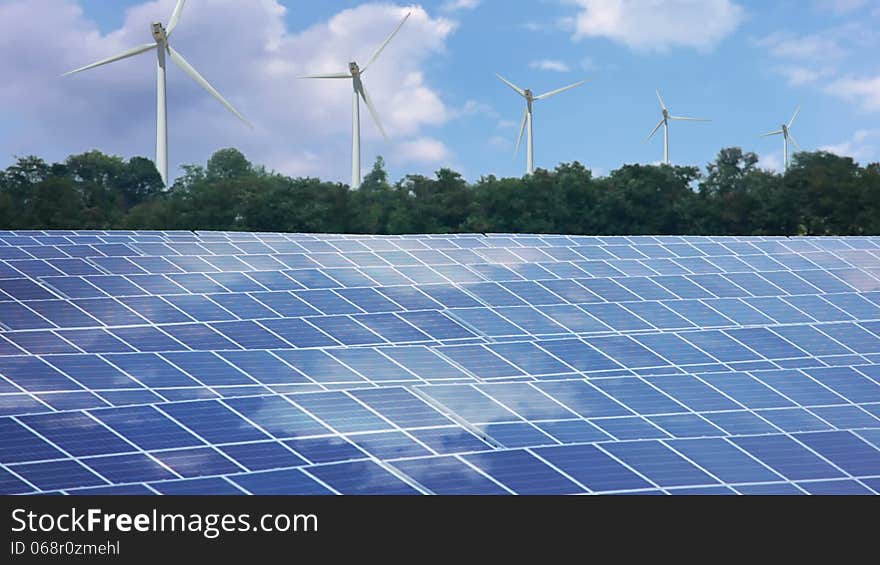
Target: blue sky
column 745, row 64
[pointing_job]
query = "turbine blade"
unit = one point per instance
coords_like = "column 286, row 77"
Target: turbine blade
column 654, row 131
column 683, row 119
column 793, row 118
column 660, row 98
column 175, row 17
column 515, row 88
column 194, row 74
column 328, row 75
column 559, row 90
column 522, row 130
column 130, row 53
column 372, row 109
column 780, row 132
column 794, row 142
column 385, row 43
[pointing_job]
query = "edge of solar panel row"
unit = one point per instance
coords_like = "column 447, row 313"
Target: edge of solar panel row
column 149, row 362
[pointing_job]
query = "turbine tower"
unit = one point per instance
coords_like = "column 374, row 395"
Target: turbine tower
column 161, row 35
column 528, row 118
column 665, row 123
column 355, row 73
column 785, row 132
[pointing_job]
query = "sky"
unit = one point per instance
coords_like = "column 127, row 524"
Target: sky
column 744, row 64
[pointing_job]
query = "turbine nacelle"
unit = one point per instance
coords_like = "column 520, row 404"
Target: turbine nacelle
column 529, row 95
column 159, row 33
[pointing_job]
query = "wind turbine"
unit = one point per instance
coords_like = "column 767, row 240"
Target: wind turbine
column 785, row 132
column 665, row 123
column 355, row 73
column 161, row 35
column 528, row 118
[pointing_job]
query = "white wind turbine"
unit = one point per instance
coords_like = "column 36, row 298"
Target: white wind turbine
column 528, row 118
column 785, row 132
column 355, row 73
column 665, row 123
column 161, row 36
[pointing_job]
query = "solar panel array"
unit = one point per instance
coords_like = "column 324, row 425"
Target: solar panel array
column 213, row 363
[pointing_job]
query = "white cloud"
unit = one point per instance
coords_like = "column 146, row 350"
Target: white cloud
column 771, row 161
column 822, row 46
column 456, row 5
column 864, row 91
column 423, row 151
column 550, row 65
column 659, row 24
column 302, row 127
column 797, row 75
column 862, row 146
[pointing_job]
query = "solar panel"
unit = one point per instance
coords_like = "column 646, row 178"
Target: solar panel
column 233, row 363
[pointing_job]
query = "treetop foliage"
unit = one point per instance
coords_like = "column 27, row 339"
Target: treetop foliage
column 821, row 194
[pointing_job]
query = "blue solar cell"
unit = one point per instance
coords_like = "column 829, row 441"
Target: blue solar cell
column 151, row 370
column 848, row 383
column 95, row 341
column 34, row 375
column 210, row 486
column 41, row 343
column 346, row 331
column 262, row 456
column 615, row 317
column 423, row 363
column 129, row 468
column 283, row 482
column 341, row 412
column 698, row 313
column 20, row 444
column 147, row 339
column 486, row 322
column 746, row 390
column 659, row 464
column 92, row 372
column 392, row 328
column 197, row 462
column 277, row 416
column 213, row 421
column 573, row 431
column 787, row 457
column 372, row 365
column 593, row 468
column 76, row 433
column 638, row 395
column 529, row 358
column 449, row 476
column 793, row 420
column 523, row 473
column 263, row 367
column 845, row 450
column 62, row 314
column 630, row 427
column 799, row 387
column 479, row 361
column 53, row 475
column 361, row 477
column 249, row 335
column 686, row 426
column 627, row 352
column 15, row 316
column 319, row 366
column 583, row 398
column 200, row 337
column 110, row 312
column 579, row 355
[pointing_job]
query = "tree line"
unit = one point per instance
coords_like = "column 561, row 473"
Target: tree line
column 820, row 194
